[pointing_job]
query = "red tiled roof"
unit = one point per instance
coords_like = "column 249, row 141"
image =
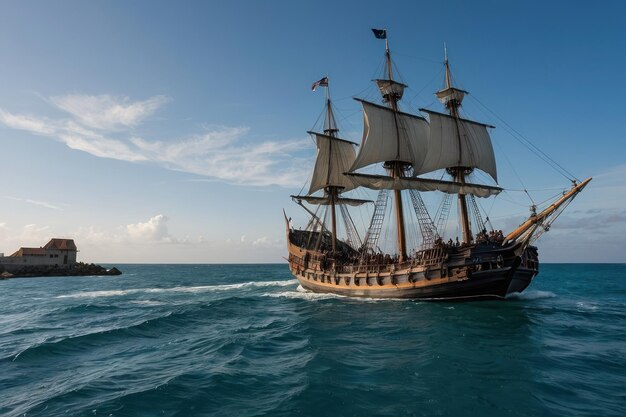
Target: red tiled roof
column 61, row 244
column 29, row 251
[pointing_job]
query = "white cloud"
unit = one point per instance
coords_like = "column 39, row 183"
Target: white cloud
column 30, row 235
column 154, row 230
column 101, row 126
column 91, row 236
column 261, row 241
column 107, row 112
column 266, row 242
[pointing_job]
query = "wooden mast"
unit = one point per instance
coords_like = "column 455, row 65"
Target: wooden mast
column 331, row 130
column 396, row 166
column 458, row 171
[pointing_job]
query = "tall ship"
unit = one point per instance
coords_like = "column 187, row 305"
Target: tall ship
column 480, row 263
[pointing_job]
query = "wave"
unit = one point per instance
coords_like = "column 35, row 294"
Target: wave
column 194, row 289
column 72, row 343
column 531, row 295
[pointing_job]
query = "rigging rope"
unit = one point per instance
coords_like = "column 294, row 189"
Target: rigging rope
column 410, row 102
column 529, row 145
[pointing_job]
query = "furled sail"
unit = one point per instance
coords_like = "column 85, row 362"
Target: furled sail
column 451, row 93
column 334, row 157
column 325, row 201
column 445, row 150
column 382, row 182
column 391, row 136
column 391, row 89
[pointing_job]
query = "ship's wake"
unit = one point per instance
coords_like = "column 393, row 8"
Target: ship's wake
column 531, row 295
column 180, row 289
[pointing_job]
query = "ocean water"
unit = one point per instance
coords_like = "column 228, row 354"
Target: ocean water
column 244, row 340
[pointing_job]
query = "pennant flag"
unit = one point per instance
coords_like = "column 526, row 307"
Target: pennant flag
column 380, row 33
column 321, row 83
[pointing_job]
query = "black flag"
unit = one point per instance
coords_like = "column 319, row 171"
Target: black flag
column 380, row 33
column 321, row 83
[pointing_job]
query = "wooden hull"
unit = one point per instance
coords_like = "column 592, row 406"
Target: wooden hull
column 445, row 273
column 497, row 285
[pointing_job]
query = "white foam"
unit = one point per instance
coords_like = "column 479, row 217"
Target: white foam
column 95, row 294
column 302, row 294
column 583, row 307
column 531, row 295
column 194, row 289
column 148, row 302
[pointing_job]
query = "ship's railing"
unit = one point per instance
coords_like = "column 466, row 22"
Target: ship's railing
column 424, row 258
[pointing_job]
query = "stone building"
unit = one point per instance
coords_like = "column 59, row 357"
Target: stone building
column 60, row 253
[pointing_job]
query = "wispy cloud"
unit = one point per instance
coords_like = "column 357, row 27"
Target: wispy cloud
column 103, row 126
column 107, row 112
column 73, row 135
column 608, row 219
column 35, row 202
column 26, row 122
column 218, row 154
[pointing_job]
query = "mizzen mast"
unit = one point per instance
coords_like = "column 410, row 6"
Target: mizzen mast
column 330, row 129
column 334, row 157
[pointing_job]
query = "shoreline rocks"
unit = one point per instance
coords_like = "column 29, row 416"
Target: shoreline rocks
column 76, row 270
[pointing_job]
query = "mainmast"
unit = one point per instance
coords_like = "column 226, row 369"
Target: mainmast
column 452, row 98
column 392, row 93
column 409, row 146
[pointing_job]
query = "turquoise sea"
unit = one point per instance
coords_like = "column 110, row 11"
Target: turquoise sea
column 243, row 340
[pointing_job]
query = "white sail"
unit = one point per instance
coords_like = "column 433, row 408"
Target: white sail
column 382, row 182
column 334, row 157
column 391, row 136
column 475, row 151
column 325, row 200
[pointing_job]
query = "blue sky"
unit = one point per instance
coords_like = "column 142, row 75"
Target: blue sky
column 175, row 132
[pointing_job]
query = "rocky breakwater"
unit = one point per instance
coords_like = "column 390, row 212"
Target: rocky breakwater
column 78, row 269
